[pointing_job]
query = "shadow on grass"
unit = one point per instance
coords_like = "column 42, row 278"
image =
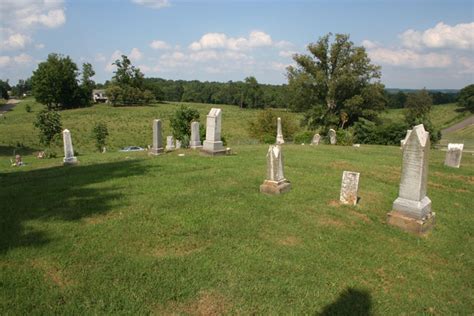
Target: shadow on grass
column 350, row 302
column 11, row 151
column 59, row 193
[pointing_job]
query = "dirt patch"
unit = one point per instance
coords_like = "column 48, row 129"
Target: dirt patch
column 343, row 165
column 101, row 218
column 467, row 179
column 51, row 273
column 445, row 188
column 289, row 241
column 361, row 216
column 207, row 303
column 334, row 203
column 325, row 221
column 180, row 250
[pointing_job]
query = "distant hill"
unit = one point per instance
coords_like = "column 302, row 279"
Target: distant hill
column 395, row 90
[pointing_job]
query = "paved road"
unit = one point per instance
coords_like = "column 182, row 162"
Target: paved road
column 455, row 127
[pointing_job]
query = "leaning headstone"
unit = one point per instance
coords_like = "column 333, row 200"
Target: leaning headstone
column 169, row 143
column 195, row 142
column 279, row 138
column 157, row 146
column 316, row 139
column 332, row 136
column 411, row 211
column 69, row 158
column 454, row 155
column 349, row 187
column 178, row 144
column 213, row 144
column 275, row 182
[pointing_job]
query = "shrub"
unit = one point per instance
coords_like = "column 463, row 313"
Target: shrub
column 181, row 122
column 100, row 133
column 49, row 124
column 345, row 137
column 303, row 137
column 28, row 108
column 367, row 132
column 265, row 126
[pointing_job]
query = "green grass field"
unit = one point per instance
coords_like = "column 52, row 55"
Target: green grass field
column 126, row 233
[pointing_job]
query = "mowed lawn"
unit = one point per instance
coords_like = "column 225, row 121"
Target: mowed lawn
column 125, row 233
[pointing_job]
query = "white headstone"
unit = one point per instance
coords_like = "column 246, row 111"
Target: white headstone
column 316, row 139
column 349, row 187
column 275, row 182
column 454, row 155
column 279, row 138
column 195, row 141
column 332, row 136
column 178, row 144
column 157, row 146
column 213, row 144
column 412, row 200
column 169, row 143
column 68, row 149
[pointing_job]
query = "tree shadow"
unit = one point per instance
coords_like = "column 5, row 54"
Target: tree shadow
column 350, row 302
column 62, row 193
column 11, row 151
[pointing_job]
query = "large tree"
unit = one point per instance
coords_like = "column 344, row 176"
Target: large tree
column 55, row 82
column 466, row 97
column 336, row 84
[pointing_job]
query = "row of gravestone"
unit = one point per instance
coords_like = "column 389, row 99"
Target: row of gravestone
column 411, row 211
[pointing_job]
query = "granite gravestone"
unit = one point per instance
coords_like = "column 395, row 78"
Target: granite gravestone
column 349, row 187
column 454, row 155
column 275, row 182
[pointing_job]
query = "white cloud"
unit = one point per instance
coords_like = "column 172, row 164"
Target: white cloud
column 39, row 46
column 115, row 55
column 222, row 41
column 15, row 41
column 100, row 57
column 409, row 58
column 135, row 54
column 286, row 53
column 4, row 61
column 154, row 4
column 22, row 59
column 15, row 61
column 159, row 45
column 459, row 36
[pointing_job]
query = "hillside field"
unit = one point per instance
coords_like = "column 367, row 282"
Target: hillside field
column 127, row 233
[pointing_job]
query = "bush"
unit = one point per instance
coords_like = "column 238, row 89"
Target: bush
column 28, row 108
column 49, row 124
column 265, row 126
column 100, row 133
column 304, row 137
column 181, row 122
column 345, row 137
column 367, row 132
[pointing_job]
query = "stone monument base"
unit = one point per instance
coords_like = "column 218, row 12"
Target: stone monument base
column 218, row 152
column 415, row 209
column 195, row 145
column 211, row 148
column 156, row 151
column 274, row 187
column 410, row 224
column 70, row 161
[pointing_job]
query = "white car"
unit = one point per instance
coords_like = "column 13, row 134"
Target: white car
column 131, row 148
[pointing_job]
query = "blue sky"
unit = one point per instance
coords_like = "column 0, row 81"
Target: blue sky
column 418, row 43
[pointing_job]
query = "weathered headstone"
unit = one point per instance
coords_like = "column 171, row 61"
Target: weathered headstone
column 279, row 138
column 454, row 155
column 275, row 182
column 195, row 142
column 157, row 146
column 178, row 144
column 349, row 187
column 332, row 136
column 69, row 158
column 213, row 144
column 170, row 143
column 411, row 211
column 316, row 139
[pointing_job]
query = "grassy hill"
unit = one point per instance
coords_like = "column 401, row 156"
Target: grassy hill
column 126, row 233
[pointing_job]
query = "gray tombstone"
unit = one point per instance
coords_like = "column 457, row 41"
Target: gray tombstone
column 170, row 143
column 349, row 187
column 332, row 136
column 69, row 158
column 195, row 142
column 279, row 138
column 316, row 139
column 213, row 144
column 411, row 211
column 454, row 155
column 157, row 146
column 275, row 182
column 178, row 144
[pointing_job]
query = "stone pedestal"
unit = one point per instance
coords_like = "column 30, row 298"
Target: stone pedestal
column 332, row 136
column 454, row 155
column 410, row 224
column 157, row 147
column 412, row 201
column 349, row 187
column 69, row 158
column 275, row 182
column 213, row 145
column 195, row 142
column 279, row 138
